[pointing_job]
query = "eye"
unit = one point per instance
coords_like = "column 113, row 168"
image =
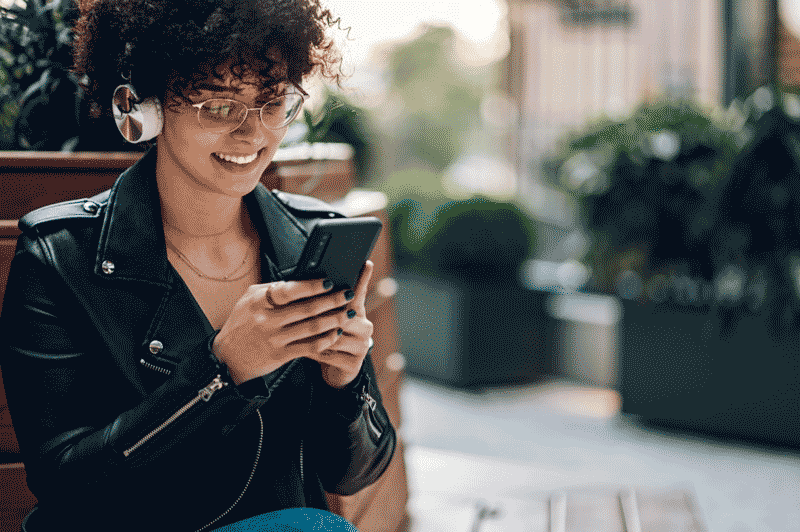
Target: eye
column 220, row 109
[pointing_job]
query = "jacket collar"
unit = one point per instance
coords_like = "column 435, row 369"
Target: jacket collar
column 132, row 236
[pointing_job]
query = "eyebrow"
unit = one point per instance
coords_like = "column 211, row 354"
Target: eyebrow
column 213, row 87
column 216, row 88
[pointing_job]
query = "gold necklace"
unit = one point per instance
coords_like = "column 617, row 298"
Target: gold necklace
column 226, row 278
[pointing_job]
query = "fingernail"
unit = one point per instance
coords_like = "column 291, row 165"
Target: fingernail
column 351, row 314
column 349, row 295
column 339, row 332
column 327, row 284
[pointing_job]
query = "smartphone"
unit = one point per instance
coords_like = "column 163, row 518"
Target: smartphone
column 337, row 250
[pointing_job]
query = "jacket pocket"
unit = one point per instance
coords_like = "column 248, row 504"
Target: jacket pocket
column 203, row 394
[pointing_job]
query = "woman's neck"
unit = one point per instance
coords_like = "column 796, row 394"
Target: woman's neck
column 194, row 212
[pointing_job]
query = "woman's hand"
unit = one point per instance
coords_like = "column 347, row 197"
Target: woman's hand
column 342, row 361
column 274, row 323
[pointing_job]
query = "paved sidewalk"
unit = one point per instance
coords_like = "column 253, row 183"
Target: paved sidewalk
column 516, row 445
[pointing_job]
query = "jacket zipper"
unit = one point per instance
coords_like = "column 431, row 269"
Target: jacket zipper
column 302, row 475
column 204, row 394
column 253, row 472
column 372, row 404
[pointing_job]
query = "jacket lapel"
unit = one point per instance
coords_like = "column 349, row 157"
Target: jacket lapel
column 282, row 235
column 132, row 237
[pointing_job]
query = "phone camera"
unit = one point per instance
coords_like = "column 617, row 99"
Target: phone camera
column 323, row 242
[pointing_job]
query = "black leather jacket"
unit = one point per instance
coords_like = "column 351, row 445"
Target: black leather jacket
column 125, row 419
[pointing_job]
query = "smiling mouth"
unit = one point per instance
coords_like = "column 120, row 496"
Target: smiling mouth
column 238, row 159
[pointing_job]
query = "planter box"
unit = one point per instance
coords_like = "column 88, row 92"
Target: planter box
column 471, row 334
column 677, row 371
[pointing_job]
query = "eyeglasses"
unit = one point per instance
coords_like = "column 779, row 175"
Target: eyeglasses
column 223, row 115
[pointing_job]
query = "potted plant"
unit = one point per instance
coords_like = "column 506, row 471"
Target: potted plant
column 34, row 44
column 692, row 225
column 465, row 318
column 646, row 188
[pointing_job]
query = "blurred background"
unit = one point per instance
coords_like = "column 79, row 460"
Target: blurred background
column 595, row 229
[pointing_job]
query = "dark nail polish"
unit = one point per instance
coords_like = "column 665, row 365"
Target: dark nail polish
column 327, row 284
column 340, row 331
column 351, row 314
column 349, row 295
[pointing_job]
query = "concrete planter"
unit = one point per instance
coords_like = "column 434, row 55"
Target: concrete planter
column 470, row 334
column 677, row 370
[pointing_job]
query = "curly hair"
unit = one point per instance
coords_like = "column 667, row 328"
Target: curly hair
column 166, row 47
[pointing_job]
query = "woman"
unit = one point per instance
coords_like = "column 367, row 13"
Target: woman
column 160, row 372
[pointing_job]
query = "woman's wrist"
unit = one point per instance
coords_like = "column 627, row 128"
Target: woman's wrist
column 231, row 372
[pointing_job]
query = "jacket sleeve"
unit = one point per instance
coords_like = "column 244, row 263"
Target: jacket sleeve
column 353, row 440
column 350, row 440
column 79, row 441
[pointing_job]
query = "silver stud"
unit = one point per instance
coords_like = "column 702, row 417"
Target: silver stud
column 90, row 207
column 331, row 215
column 108, row 267
column 156, row 347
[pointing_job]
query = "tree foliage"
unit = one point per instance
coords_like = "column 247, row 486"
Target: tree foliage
column 38, row 94
column 440, row 102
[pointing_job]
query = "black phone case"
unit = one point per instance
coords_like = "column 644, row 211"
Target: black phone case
column 337, row 250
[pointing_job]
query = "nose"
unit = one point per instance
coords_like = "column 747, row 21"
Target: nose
column 251, row 130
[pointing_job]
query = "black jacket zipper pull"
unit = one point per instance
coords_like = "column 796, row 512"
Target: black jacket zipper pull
column 372, row 404
column 367, row 398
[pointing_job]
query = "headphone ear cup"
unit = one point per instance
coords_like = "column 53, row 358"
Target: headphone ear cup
column 137, row 121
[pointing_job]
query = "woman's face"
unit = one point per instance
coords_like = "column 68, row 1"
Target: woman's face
column 196, row 154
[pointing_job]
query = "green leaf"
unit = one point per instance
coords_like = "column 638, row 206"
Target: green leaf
column 6, row 56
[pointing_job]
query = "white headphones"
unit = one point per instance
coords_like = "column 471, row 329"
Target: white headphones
column 137, row 120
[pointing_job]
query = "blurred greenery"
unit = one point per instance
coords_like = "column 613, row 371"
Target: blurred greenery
column 437, row 102
column 38, row 103
column 414, row 195
column 439, row 99
column 757, row 242
column 694, row 207
column 339, row 120
column 477, row 238
column 648, row 188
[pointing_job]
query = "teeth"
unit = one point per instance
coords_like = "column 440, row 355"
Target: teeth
column 236, row 159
